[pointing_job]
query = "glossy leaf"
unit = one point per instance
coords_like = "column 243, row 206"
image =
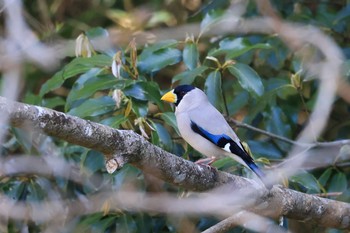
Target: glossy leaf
column 247, row 78
column 264, row 148
column 159, row 46
column 136, row 91
column 158, row 56
column 36, row 193
column 276, row 122
column 114, row 121
column 213, row 5
column 94, row 107
column 140, row 108
column 53, row 83
column 190, row 55
column 19, row 191
column 97, row 32
column 307, row 180
column 282, row 87
column 188, row 77
column 93, row 161
column 77, row 66
column 212, row 88
column 53, row 102
column 88, row 84
column 238, row 102
column 224, row 163
column 338, row 183
column 236, row 47
column 210, row 18
column 325, row 176
column 170, row 119
column 152, row 92
column 23, row 139
column 164, row 137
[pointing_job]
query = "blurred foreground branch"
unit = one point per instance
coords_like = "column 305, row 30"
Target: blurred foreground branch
column 129, row 147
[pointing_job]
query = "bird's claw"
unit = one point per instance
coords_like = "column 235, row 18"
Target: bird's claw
column 207, row 163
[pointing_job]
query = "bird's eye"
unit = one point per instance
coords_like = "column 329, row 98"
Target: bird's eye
column 182, row 93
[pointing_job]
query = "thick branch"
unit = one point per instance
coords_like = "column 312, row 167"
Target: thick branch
column 125, row 145
column 129, row 147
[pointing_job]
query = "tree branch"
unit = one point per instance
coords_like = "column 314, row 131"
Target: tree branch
column 342, row 142
column 128, row 147
column 250, row 220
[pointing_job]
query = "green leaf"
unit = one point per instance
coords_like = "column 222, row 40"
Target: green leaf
column 247, row 78
column 238, row 102
column 164, row 137
column 106, row 223
column 170, row 119
column 114, row 121
column 190, row 55
column 53, row 83
column 36, row 193
column 23, row 139
column 53, row 102
column 338, row 183
column 209, row 6
column 210, row 18
column 212, row 88
column 76, row 66
column 145, row 91
column 160, row 17
column 96, row 33
column 86, row 222
column 188, row 77
column 344, row 153
column 277, row 122
column 94, row 107
column 152, row 92
column 342, row 14
column 224, row 163
column 236, row 47
column 159, row 46
column 94, row 161
column 307, row 180
column 325, row 176
column 22, row 191
column 139, row 107
column 31, row 98
column 265, row 148
column 282, row 87
column 136, row 91
column 152, row 62
column 89, row 83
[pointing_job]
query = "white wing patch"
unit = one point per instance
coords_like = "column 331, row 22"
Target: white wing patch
column 227, row 147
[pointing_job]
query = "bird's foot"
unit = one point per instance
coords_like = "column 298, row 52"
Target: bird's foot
column 206, row 162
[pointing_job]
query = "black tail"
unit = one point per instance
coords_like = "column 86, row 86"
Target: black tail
column 260, row 174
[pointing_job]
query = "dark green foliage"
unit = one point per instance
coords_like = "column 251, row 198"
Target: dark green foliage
column 246, row 77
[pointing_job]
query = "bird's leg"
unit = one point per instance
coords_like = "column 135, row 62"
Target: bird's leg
column 206, row 161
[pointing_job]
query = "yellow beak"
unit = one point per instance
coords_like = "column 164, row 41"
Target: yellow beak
column 169, row 97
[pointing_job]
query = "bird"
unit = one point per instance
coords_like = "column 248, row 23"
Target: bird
column 203, row 127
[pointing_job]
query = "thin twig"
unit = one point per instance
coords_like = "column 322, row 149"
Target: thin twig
column 284, row 139
column 248, row 220
column 328, row 194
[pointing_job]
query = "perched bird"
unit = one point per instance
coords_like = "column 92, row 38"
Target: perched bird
column 204, row 127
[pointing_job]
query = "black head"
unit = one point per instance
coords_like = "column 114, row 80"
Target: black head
column 181, row 91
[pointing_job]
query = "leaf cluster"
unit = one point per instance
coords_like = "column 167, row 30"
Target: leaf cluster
column 252, row 78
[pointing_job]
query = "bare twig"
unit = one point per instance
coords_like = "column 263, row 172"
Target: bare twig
column 248, row 220
column 284, row 139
